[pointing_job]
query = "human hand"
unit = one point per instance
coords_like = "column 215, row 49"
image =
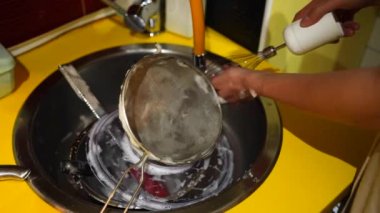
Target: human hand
column 343, row 9
column 233, row 84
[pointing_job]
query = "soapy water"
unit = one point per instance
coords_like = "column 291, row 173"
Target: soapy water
column 185, row 185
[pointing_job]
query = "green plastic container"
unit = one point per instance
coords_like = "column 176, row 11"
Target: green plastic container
column 7, row 65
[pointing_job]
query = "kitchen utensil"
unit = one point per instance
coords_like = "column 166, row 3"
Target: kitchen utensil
column 251, row 61
column 298, row 40
column 82, row 90
column 170, row 110
column 44, row 139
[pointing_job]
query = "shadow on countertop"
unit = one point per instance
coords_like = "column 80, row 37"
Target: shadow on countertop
column 21, row 75
column 348, row 143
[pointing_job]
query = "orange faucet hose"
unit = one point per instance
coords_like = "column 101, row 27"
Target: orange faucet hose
column 198, row 26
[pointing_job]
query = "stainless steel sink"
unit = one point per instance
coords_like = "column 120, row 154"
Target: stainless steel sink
column 51, row 119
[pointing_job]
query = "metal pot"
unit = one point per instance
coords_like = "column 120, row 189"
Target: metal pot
column 53, row 117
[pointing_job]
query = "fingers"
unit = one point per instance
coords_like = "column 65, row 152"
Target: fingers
column 305, row 10
column 230, row 84
column 317, row 11
column 230, row 75
column 229, row 95
column 220, row 80
column 350, row 27
column 234, row 95
column 227, row 86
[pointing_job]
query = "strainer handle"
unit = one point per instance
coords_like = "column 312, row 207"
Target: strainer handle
column 140, row 164
column 141, row 181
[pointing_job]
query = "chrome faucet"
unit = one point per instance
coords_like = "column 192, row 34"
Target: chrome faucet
column 144, row 16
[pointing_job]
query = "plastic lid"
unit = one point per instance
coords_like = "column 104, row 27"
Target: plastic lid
column 6, row 60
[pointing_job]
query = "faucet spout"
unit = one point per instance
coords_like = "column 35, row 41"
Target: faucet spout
column 144, row 16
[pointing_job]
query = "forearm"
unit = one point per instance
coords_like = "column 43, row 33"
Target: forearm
column 350, row 96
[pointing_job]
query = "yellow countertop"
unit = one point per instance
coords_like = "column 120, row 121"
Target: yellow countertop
column 304, row 179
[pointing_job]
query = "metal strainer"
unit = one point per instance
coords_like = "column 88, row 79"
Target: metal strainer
column 169, row 110
column 170, row 113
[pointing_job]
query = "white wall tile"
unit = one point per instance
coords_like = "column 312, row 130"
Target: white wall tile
column 374, row 42
column 371, row 58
